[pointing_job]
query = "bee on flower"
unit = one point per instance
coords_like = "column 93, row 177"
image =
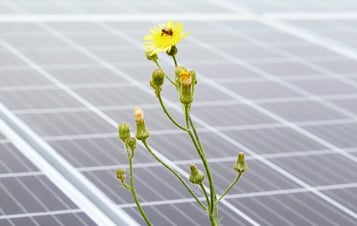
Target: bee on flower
column 164, row 37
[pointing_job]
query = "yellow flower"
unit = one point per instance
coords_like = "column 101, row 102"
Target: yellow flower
column 185, row 78
column 164, row 36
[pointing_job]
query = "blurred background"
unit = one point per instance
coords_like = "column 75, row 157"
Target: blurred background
column 277, row 79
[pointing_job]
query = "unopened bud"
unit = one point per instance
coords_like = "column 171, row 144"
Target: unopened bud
column 150, row 55
column 120, row 174
column 124, row 131
column 157, row 79
column 172, row 51
column 240, row 166
column 187, row 80
column 131, row 143
column 196, row 176
column 141, row 132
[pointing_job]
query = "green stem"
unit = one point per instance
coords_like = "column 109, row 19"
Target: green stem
column 167, row 77
column 175, row 173
column 175, row 61
column 168, row 114
column 230, row 187
column 213, row 211
column 170, row 80
column 133, row 192
column 205, row 193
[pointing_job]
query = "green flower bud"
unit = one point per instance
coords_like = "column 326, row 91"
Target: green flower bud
column 131, row 143
column 124, row 131
column 197, row 176
column 157, row 79
column 141, row 132
column 240, row 166
column 172, row 51
column 120, row 174
column 151, row 55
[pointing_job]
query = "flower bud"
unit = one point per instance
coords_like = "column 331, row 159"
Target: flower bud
column 120, row 174
column 241, row 166
column 157, row 79
column 196, row 176
column 124, row 131
column 187, row 80
column 150, row 55
column 172, row 51
column 131, row 143
column 141, row 132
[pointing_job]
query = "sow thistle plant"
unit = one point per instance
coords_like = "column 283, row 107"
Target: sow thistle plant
column 164, row 38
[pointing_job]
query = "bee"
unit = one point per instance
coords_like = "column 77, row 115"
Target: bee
column 167, row 31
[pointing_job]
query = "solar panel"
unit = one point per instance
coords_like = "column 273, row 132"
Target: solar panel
column 28, row 197
column 275, row 81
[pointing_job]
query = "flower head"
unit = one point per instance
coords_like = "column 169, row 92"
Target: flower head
column 164, row 36
column 185, row 77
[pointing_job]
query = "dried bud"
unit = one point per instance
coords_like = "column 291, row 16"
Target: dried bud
column 197, row 176
column 120, row 174
column 141, row 132
column 241, row 166
column 124, row 131
column 151, row 55
column 172, row 51
column 157, row 79
column 138, row 114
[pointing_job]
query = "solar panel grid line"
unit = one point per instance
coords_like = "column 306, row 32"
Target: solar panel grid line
column 53, row 175
column 296, row 16
column 82, row 100
column 36, row 214
column 245, row 195
column 217, row 160
column 120, row 18
column 104, row 107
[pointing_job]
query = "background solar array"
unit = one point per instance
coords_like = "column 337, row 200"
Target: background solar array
column 284, row 91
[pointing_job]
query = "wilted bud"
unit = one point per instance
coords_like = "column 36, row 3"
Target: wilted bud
column 141, row 132
column 172, row 51
column 197, row 176
column 124, row 131
column 150, row 55
column 138, row 114
column 120, row 174
column 157, row 79
column 241, row 166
